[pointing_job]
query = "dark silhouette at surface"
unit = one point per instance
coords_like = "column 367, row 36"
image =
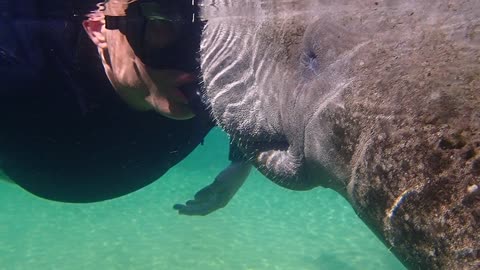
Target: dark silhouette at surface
column 65, row 135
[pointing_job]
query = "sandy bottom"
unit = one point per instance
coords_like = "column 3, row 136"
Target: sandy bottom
column 264, row 227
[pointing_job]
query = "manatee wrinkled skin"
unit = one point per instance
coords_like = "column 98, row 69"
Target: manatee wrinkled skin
column 378, row 100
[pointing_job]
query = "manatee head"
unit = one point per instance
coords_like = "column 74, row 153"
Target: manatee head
column 376, row 100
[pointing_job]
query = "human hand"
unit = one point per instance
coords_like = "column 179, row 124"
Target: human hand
column 207, row 200
column 217, row 194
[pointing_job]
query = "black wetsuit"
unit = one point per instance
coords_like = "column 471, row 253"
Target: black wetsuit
column 65, row 135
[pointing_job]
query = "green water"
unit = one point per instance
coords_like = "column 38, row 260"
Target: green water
column 264, row 227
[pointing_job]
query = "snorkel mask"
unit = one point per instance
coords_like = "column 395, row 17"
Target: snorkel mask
column 165, row 34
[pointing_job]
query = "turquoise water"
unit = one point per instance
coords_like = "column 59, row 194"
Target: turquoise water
column 264, row 227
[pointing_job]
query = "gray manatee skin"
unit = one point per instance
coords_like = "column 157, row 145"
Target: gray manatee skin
column 378, row 100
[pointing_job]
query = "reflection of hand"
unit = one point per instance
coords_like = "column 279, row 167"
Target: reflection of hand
column 217, row 194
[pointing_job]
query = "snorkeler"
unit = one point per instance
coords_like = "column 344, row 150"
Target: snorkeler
column 71, row 138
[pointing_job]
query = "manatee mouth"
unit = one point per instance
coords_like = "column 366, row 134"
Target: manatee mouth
column 266, row 146
column 281, row 163
column 285, row 168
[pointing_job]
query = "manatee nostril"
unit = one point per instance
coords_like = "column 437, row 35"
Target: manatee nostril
column 309, row 64
column 312, row 55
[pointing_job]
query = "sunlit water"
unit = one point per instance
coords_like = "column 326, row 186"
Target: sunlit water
column 264, row 227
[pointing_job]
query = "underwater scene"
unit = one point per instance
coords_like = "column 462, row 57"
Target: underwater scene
column 264, row 227
column 240, row 134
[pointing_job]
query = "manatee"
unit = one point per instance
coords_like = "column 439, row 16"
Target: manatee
column 377, row 100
